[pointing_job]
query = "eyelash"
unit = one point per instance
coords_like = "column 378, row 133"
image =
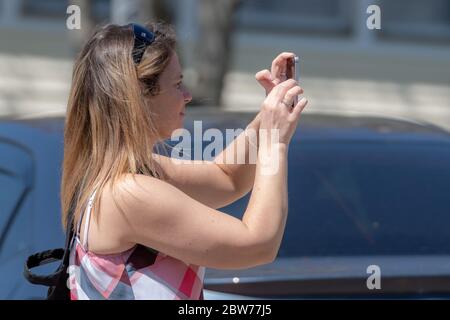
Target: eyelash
column 179, row 84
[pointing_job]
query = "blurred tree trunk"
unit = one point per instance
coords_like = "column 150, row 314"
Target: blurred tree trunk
column 214, row 48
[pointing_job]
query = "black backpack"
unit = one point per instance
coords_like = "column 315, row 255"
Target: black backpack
column 57, row 281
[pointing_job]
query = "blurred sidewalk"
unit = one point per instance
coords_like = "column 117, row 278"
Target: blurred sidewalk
column 33, row 86
column 389, row 79
column 35, row 71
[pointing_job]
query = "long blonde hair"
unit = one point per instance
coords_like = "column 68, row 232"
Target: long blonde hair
column 109, row 129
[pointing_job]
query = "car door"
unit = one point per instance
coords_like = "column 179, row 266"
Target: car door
column 16, row 181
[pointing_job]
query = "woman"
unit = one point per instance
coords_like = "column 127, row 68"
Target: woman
column 146, row 227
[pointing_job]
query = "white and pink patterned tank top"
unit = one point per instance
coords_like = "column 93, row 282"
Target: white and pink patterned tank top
column 136, row 274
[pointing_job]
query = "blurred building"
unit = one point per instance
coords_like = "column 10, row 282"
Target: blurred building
column 402, row 69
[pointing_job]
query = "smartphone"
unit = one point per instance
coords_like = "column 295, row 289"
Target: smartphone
column 293, row 72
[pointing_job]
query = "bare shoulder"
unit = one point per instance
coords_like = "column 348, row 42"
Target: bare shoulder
column 112, row 221
column 156, row 214
column 134, row 190
column 145, row 201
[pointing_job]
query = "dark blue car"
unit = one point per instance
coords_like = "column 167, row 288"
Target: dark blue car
column 369, row 208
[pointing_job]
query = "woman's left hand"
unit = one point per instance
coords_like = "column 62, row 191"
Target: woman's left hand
column 269, row 79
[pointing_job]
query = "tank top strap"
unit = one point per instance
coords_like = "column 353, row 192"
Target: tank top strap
column 87, row 212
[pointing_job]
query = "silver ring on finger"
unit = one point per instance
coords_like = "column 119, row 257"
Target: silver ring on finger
column 287, row 104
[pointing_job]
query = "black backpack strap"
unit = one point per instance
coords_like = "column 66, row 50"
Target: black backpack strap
column 40, row 259
column 48, row 256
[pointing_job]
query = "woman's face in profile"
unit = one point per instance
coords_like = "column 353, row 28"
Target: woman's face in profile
column 170, row 103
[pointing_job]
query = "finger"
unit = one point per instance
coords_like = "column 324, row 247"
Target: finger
column 291, row 94
column 263, row 75
column 264, row 78
column 297, row 110
column 280, row 60
column 279, row 65
column 281, row 89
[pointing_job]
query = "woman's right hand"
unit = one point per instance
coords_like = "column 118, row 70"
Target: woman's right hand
column 277, row 113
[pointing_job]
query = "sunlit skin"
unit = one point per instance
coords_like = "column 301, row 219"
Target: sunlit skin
column 169, row 105
column 185, row 203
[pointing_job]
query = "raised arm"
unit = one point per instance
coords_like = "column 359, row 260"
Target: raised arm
column 162, row 217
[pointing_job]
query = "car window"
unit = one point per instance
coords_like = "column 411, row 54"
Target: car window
column 366, row 199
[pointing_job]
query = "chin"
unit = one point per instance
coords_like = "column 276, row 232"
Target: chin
column 169, row 135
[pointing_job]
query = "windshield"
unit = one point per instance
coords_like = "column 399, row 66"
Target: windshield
column 366, row 199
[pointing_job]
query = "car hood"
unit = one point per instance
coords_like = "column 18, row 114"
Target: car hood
column 336, row 276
